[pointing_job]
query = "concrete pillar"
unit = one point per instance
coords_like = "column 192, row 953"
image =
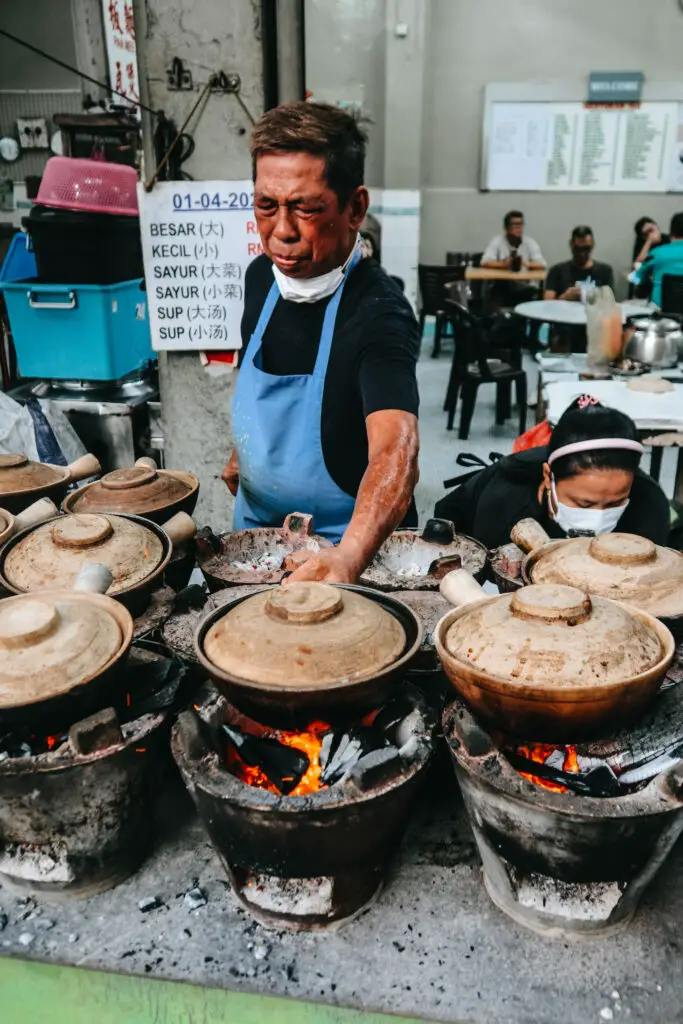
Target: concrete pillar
column 290, row 50
column 406, row 23
column 208, row 36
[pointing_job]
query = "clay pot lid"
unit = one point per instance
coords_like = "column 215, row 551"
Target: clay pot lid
column 52, row 554
column 19, row 473
column 621, row 566
column 553, row 634
column 51, row 642
column 305, row 635
column 137, row 490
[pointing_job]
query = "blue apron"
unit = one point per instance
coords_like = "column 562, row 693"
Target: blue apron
column 277, row 423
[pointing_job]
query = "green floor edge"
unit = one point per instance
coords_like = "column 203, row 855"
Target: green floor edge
column 37, row 993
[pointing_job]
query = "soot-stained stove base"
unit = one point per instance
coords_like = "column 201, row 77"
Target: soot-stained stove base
column 432, row 946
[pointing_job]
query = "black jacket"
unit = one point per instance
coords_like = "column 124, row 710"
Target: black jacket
column 489, row 504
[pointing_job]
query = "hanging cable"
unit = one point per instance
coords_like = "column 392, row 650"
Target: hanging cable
column 150, row 184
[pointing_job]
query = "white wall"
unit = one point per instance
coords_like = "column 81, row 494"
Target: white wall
column 474, row 42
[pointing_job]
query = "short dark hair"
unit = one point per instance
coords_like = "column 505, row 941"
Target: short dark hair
column 640, row 224
column 676, row 228
column 512, row 215
column 582, row 231
column 586, row 420
column 321, row 129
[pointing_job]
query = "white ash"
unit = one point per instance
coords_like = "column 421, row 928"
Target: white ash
column 26, row 938
column 195, row 898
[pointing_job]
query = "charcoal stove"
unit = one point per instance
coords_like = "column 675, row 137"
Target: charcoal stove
column 561, row 863
column 300, row 861
column 409, row 560
column 76, row 809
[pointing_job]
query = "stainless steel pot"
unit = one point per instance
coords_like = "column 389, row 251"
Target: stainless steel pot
column 654, row 339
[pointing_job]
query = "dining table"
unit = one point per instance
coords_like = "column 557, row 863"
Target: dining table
column 562, row 311
column 499, row 274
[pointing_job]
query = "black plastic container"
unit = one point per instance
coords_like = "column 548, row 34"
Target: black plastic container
column 76, row 247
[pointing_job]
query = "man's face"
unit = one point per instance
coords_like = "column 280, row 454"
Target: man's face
column 515, row 229
column 301, row 225
column 581, row 250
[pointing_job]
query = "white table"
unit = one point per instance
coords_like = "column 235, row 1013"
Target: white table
column 561, row 311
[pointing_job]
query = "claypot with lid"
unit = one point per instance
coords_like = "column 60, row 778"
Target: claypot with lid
column 59, row 650
column 142, row 490
column 22, row 481
column 621, row 566
column 135, row 550
column 303, row 651
column 549, row 662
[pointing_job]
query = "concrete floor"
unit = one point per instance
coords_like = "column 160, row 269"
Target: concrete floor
column 432, row 947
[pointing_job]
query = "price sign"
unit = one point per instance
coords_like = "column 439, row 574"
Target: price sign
column 198, row 237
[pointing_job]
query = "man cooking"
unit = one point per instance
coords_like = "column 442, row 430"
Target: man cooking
column 325, row 408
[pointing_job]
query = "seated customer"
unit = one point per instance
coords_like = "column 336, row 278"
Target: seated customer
column 586, row 481
column 648, row 237
column 666, row 259
column 513, row 250
column 564, row 279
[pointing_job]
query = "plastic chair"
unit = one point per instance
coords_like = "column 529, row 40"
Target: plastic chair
column 475, row 362
column 432, row 280
column 672, row 293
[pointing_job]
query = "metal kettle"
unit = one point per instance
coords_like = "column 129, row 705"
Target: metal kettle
column 654, row 339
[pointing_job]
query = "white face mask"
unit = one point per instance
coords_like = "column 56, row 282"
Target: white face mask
column 311, row 289
column 584, row 521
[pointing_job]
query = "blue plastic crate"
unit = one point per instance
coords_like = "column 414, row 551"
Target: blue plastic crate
column 20, row 261
column 83, row 331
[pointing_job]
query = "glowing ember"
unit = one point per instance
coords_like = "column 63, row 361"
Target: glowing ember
column 309, row 742
column 540, row 752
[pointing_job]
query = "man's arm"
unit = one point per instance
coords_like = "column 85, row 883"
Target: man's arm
column 536, row 260
column 383, row 499
column 491, row 257
column 553, row 284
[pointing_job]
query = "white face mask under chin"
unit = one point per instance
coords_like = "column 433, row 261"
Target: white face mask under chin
column 311, row 289
column 584, row 521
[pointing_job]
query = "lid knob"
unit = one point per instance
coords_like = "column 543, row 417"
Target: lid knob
column 124, row 479
column 80, row 530
column 12, row 461
column 549, row 602
column 622, row 549
column 26, row 622
column 304, row 602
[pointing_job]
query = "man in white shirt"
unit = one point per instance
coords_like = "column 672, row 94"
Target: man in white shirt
column 513, row 250
column 501, row 252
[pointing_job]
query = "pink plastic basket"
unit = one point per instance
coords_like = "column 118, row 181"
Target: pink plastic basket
column 91, row 185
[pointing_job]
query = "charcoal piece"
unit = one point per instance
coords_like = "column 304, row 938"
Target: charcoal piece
column 284, row 766
column 195, row 898
column 149, row 903
column 377, row 767
column 208, row 543
column 410, row 730
column 153, row 686
column 328, row 745
column 193, row 597
column 390, row 716
column 598, row 782
column 438, row 531
column 354, row 744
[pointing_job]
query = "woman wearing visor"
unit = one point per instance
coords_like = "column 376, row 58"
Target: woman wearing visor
column 585, row 481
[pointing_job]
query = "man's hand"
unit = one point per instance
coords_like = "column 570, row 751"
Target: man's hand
column 331, row 565
column 572, row 294
column 231, row 473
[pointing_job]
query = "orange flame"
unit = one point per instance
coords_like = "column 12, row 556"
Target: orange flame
column 540, row 752
column 309, row 741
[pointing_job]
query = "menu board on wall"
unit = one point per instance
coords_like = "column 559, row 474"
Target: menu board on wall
column 198, row 237
column 573, row 148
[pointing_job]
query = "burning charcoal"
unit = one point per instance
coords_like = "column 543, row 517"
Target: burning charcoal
column 376, row 767
column 283, row 765
column 193, row 597
column 354, row 744
column 97, row 732
column 195, row 898
column 149, row 903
